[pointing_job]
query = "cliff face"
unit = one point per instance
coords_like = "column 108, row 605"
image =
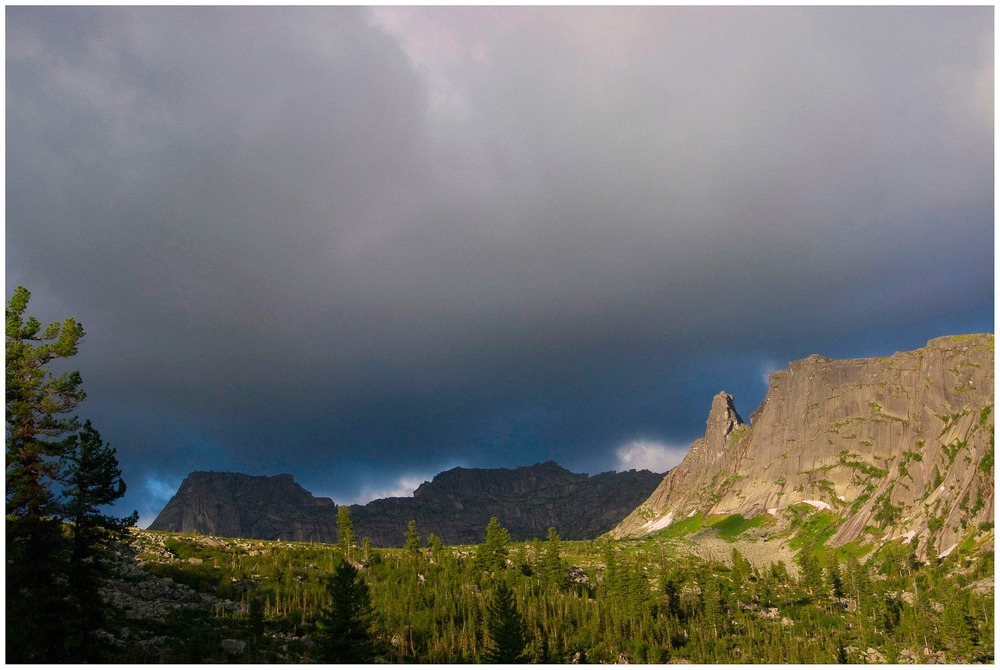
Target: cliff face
column 900, row 445
column 236, row 505
column 455, row 506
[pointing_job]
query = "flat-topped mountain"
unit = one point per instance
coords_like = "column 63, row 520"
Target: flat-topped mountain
column 456, row 506
column 894, row 446
column 230, row 504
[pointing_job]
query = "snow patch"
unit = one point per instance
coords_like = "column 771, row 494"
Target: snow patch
column 818, row 504
column 947, row 551
column 908, row 535
column 693, row 512
column 773, row 511
column 659, row 524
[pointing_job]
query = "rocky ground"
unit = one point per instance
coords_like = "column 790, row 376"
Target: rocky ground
column 760, row 553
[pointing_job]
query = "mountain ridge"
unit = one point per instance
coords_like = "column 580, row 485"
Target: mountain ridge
column 455, row 505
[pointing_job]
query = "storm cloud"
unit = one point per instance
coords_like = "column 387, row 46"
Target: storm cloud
column 362, row 245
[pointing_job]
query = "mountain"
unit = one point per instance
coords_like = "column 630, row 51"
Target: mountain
column 230, row 504
column 456, row 506
column 898, row 446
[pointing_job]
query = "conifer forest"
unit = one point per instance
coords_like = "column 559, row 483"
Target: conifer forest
column 547, row 601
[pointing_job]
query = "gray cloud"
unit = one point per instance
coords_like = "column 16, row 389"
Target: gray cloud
column 356, row 244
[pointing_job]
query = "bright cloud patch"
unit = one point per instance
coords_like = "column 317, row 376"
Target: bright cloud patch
column 649, row 455
column 766, row 370
column 403, row 487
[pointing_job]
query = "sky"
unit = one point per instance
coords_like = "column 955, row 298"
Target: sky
column 365, row 245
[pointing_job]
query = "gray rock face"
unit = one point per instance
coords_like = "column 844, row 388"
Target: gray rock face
column 899, row 445
column 236, row 505
column 455, row 506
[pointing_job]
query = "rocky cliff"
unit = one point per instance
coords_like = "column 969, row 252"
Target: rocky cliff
column 894, row 446
column 456, row 506
column 230, row 504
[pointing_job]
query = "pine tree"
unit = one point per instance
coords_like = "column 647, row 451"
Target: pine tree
column 521, row 561
column 491, row 555
column 345, row 531
column 812, row 572
column 92, row 480
column 833, row 572
column 508, row 635
column 741, row 567
column 41, row 565
column 412, row 538
column 345, row 627
column 435, row 544
column 37, row 402
column 552, row 568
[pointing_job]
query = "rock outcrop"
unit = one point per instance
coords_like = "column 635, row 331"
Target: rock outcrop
column 456, row 506
column 899, row 446
column 230, row 504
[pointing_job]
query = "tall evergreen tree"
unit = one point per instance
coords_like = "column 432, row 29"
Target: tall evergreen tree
column 37, row 402
column 552, row 568
column 345, row 627
column 37, row 428
column 812, row 572
column 345, row 531
column 412, row 538
column 508, row 635
column 833, row 572
column 491, row 555
column 435, row 544
column 91, row 479
column 53, row 607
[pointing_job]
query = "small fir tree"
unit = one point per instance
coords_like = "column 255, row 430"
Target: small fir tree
column 345, row 627
column 412, row 538
column 552, row 567
column 508, row 636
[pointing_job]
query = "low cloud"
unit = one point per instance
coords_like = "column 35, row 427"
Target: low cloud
column 649, row 455
column 767, row 369
column 157, row 493
column 403, row 487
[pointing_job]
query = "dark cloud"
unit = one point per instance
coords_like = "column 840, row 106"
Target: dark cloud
column 362, row 245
